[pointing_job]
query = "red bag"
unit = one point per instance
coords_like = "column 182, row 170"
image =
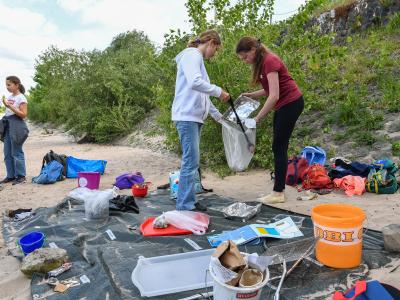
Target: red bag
column 295, row 170
column 316, row 177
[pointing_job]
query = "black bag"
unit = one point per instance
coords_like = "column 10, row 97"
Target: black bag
column 61, row 158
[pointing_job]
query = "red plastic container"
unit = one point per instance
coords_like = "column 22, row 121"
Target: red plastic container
column 140, row 190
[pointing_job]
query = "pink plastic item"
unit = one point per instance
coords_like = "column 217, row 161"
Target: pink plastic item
column 352, row 185
column 90, row 180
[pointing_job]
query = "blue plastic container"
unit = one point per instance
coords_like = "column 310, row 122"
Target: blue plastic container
column 31, row 241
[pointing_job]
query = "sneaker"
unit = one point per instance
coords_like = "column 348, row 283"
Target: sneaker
column 199, row 207
column 7, row 180
column 19, row 180
column 273, row 198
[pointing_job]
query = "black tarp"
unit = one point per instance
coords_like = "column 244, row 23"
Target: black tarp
column 109, row 264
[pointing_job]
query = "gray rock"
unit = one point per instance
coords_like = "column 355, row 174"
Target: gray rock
column 391, row 237
column 43, row 260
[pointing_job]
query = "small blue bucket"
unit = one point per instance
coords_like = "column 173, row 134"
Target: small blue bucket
column 31, row 241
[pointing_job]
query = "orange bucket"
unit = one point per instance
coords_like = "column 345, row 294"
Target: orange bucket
column 339, row 229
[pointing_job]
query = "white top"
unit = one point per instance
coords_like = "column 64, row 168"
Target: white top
column 193, row 89
column 15, row 101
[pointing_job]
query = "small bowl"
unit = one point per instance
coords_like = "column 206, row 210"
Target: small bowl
column 140, row 190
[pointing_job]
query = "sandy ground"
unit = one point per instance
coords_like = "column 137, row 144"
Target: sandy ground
column 246, row 186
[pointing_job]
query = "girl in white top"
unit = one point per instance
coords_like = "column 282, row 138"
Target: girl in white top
column 16, row 110
column 191, row 107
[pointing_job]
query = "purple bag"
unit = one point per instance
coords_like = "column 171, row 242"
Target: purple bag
column 127, row 180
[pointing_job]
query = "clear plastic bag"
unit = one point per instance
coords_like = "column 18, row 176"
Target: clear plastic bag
column 196, row 222
column 236, row 147
column 96, row 202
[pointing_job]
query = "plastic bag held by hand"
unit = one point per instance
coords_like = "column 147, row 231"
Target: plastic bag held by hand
column 249, row 123
column 196, row 222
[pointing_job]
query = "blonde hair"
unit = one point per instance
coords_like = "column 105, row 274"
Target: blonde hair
column 204, row 37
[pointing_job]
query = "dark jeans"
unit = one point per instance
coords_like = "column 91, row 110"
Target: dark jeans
column 283, row 124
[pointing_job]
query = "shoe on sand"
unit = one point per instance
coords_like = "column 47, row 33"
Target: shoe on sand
column 272, row 198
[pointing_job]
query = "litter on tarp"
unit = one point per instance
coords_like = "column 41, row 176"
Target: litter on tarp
column 147, row 229
column 160, row 222
column 233, row 275
column 282, row 229
column 196, row 222
column 96, row 202
column 298, row 220
column 64, row 267
column 174, row 273
column 241, row 211
column 124, row 203
column 308, row 196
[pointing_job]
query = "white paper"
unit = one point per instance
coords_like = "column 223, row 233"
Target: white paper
column 84, row 279
column 193, row 244
column 110, row 234
column 223, row 274
column 259, row 262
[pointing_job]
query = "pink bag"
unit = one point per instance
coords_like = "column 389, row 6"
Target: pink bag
column 351, row 185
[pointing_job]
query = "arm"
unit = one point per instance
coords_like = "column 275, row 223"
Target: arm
column 21, row 112
column 191, row 64
column 273, row 97
column 214, row 112
column 256, row 94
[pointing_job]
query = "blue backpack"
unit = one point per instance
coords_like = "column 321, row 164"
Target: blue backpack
column 314, row 155
column 50, row 173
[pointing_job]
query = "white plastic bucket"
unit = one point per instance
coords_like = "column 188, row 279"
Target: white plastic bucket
column 222, row 291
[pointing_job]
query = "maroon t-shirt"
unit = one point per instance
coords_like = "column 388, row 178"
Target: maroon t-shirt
column 288, row 89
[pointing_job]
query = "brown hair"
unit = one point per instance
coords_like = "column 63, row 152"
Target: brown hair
column 15, row 80
column 204, row 37
column 246, row 44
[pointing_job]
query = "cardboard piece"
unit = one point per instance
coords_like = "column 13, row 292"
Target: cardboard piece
column 61, row 288
column 229, row 256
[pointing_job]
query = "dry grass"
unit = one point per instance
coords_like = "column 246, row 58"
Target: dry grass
column 340, row 6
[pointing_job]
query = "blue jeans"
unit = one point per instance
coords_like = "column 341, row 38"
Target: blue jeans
column 14, row 157
column 189, row 136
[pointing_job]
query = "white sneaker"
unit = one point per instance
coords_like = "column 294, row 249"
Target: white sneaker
column 274, row 197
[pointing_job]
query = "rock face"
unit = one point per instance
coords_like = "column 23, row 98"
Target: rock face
column 43, row 260
column 391, row 237
column 360, row 15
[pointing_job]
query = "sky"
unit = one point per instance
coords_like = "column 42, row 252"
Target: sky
column 29, row 27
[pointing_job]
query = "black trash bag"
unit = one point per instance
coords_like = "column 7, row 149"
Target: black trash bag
column 124, row 203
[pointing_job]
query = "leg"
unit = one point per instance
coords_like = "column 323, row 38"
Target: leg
column 19, row 160
column 284, row 122
column 189, row 136
column 8, row 158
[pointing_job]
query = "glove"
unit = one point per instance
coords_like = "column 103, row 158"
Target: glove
column 249, row 123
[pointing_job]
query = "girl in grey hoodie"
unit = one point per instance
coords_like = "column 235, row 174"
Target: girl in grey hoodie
column 191, row 107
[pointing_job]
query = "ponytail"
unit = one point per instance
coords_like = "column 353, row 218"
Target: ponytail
column 246, row 44
column 204, row 37
column 16, row 80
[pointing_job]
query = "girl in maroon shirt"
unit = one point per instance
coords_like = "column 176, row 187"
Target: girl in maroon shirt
column 283, row 96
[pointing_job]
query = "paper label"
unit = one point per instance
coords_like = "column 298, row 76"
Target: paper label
column 338, row 236
column 84, row 279
column 110, row 234
column 53, row 245
column 193, row 244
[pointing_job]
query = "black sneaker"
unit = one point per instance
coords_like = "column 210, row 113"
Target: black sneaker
column 19, row 180
column 199, row 207
column 7, row 180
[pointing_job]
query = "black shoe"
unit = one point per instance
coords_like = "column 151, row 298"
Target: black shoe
column 7, row 180
column 199, row 207
column 19, row 180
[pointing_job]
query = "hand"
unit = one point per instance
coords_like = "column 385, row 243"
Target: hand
column 224, row 97
column 257, row 119
column 250, row 95
column 5, row 102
